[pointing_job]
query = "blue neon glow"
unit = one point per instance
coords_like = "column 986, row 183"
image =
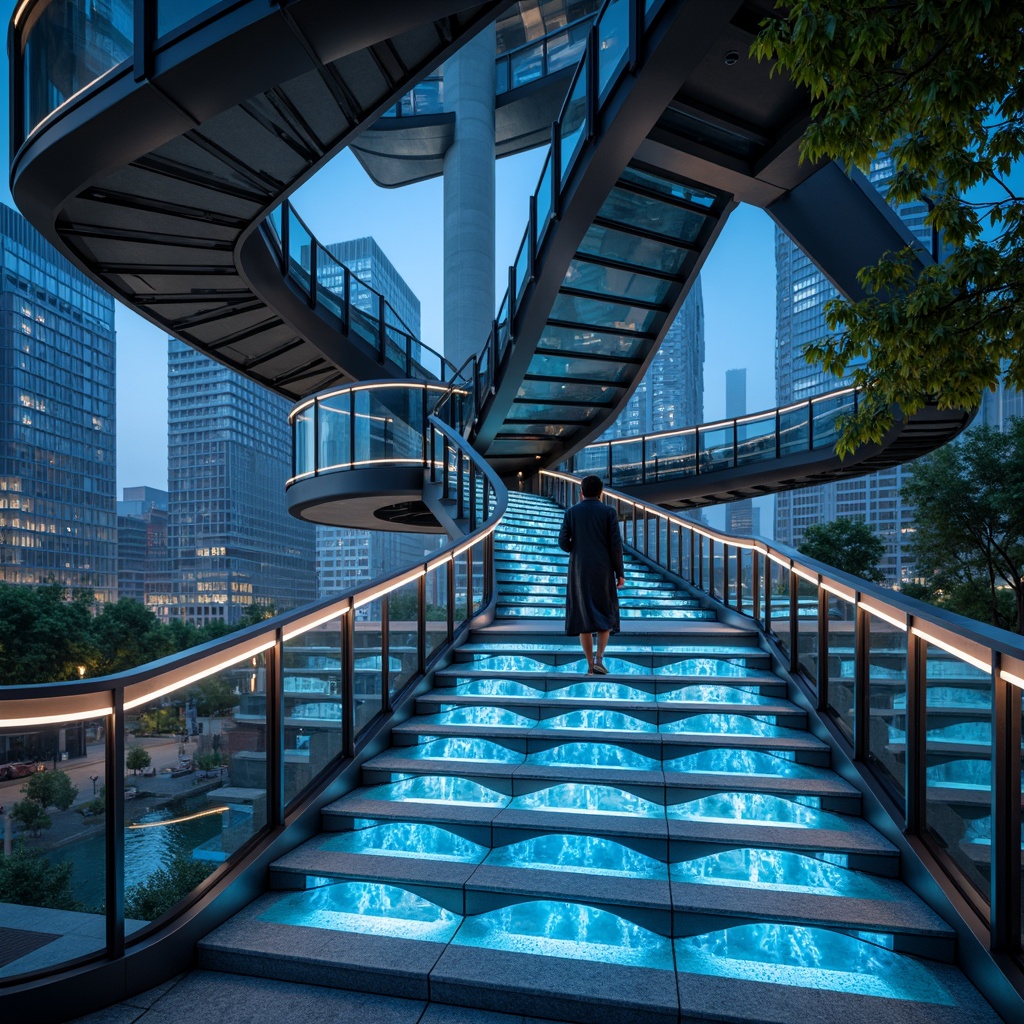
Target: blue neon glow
column 780, row 870
column 481, row 715
column 461, row 748
column 726, row 724
column 754, row 808
column 803, row 957
column 587, row 798
column 589, row 855
column 602, row 691
column 433, row 788
column 594, row 755
column 572, row 931
column 712, row 693
column 496, row 688
column 726, row 761
column 408, row 839
column 597, row 718
column 366, row 908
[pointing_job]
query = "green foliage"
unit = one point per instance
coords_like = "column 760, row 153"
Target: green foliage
column 404, row 608
column 127, row 634
column 136, row 758
column 847, row 544
column 159, row 722
column 51, row 789
column 44, row 635
column 28, row 879
column 213, row 696
column 164, row 888
column 969, row 541
column 936, row 85
column 31, row 816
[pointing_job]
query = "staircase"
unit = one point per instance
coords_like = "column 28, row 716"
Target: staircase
column 666, row 843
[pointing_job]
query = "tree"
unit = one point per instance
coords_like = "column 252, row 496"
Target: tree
column 848, row 544
column 29, row 879
column 31, row 816
column 969, row 541
column 936, row 85
column 164, row 888
column 136, row 758
column 127, row 634
column 51, row 789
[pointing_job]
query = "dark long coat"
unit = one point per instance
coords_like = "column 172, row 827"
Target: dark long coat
column 590, row 533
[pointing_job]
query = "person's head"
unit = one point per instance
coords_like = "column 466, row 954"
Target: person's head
column 591, row 487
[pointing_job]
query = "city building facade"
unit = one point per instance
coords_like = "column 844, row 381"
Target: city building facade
column 232, row 542
column 801, row 294
column 58, row 488
column 671, row 394
column 740, row 516
column 143, row 557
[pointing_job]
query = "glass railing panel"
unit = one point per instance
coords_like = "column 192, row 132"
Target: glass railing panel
column 522, row 265
column 437, row 609
column 362, row 310
column 330, row 283
column 686, row 566
column 335, row 426
column 368, row 669
column 613, row 43
column 300, row 244
column 565, row 48
column 479, row 580
column 887, row 704
column 717, row 556
column 841, row 634
column 807, row 629
column 70, row 44
column 313, row 704
column 780, row 605
column 958, row 764
column 544, row 200
column 664, row 541
column 794, row 431
column 274, row 224
column 630, row 208
column 53, row 877
column 574, row 121
column 633, row 249
column 524, row 66
column 627, row 463
column 672, row 455
column 746, row 582
column 463, row 593
column 501, row 76
column 715, row 448
column 304, row 439
column 389, row 424
column 592, row 460
column 170, row 14
column 828, row 414
column 755, row 440
column 403, row 615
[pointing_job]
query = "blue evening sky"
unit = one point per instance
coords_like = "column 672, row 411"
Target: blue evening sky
column 341, row 202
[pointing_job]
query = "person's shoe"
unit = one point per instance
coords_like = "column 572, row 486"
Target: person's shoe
column 598, row 669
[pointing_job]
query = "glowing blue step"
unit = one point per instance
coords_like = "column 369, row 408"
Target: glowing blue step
column 586, row 798
column 569, row 931
column 446, row 789
column 605, row 756
column 583, row 854
column 366, row 908
column 408, row 839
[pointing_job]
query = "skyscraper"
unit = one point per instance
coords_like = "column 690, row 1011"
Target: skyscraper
column 143, row 558
column 801, row 292
column 232, row 540
column 58, row 515
column 740, row 516
column 671, row 394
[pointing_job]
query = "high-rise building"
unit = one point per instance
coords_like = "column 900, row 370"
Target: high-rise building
column 58, row 489
column 740, row 516
column 232, row 541
column 801, row 292
column 346, row 556
column 143, row 558
column 671, row 394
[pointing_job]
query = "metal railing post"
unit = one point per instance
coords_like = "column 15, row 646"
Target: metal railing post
column 1005, row 892
column 861, row 666
column 114, row 832
column 794, row 617
column 273, row 672
column 821, row 682
column 914, row 785
column 348, row 684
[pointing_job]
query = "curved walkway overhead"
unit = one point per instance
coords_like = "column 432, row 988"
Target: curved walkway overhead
column 152, row 166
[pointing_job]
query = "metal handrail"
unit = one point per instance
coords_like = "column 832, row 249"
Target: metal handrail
column 803, row 607
column 449, row 464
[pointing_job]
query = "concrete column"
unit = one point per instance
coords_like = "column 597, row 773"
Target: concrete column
column 469, row 85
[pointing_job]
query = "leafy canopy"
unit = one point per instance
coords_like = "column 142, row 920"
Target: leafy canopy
column 969, row 539
column 847, row 544
column 937, row 84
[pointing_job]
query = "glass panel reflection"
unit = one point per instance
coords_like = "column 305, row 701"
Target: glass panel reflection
column 613, row 29
column 807, row 629
column 841, row 626
column 672, row 455
column 887, row 700
column 403, row 615
column 675, row 222
column 437, row 609
column 627, row 248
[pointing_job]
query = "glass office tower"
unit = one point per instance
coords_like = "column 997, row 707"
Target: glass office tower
column 232, row 541
column 801, row 292
column 58, row 488
column 671, row 394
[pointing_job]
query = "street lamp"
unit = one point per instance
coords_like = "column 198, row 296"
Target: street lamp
column 92, row 779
